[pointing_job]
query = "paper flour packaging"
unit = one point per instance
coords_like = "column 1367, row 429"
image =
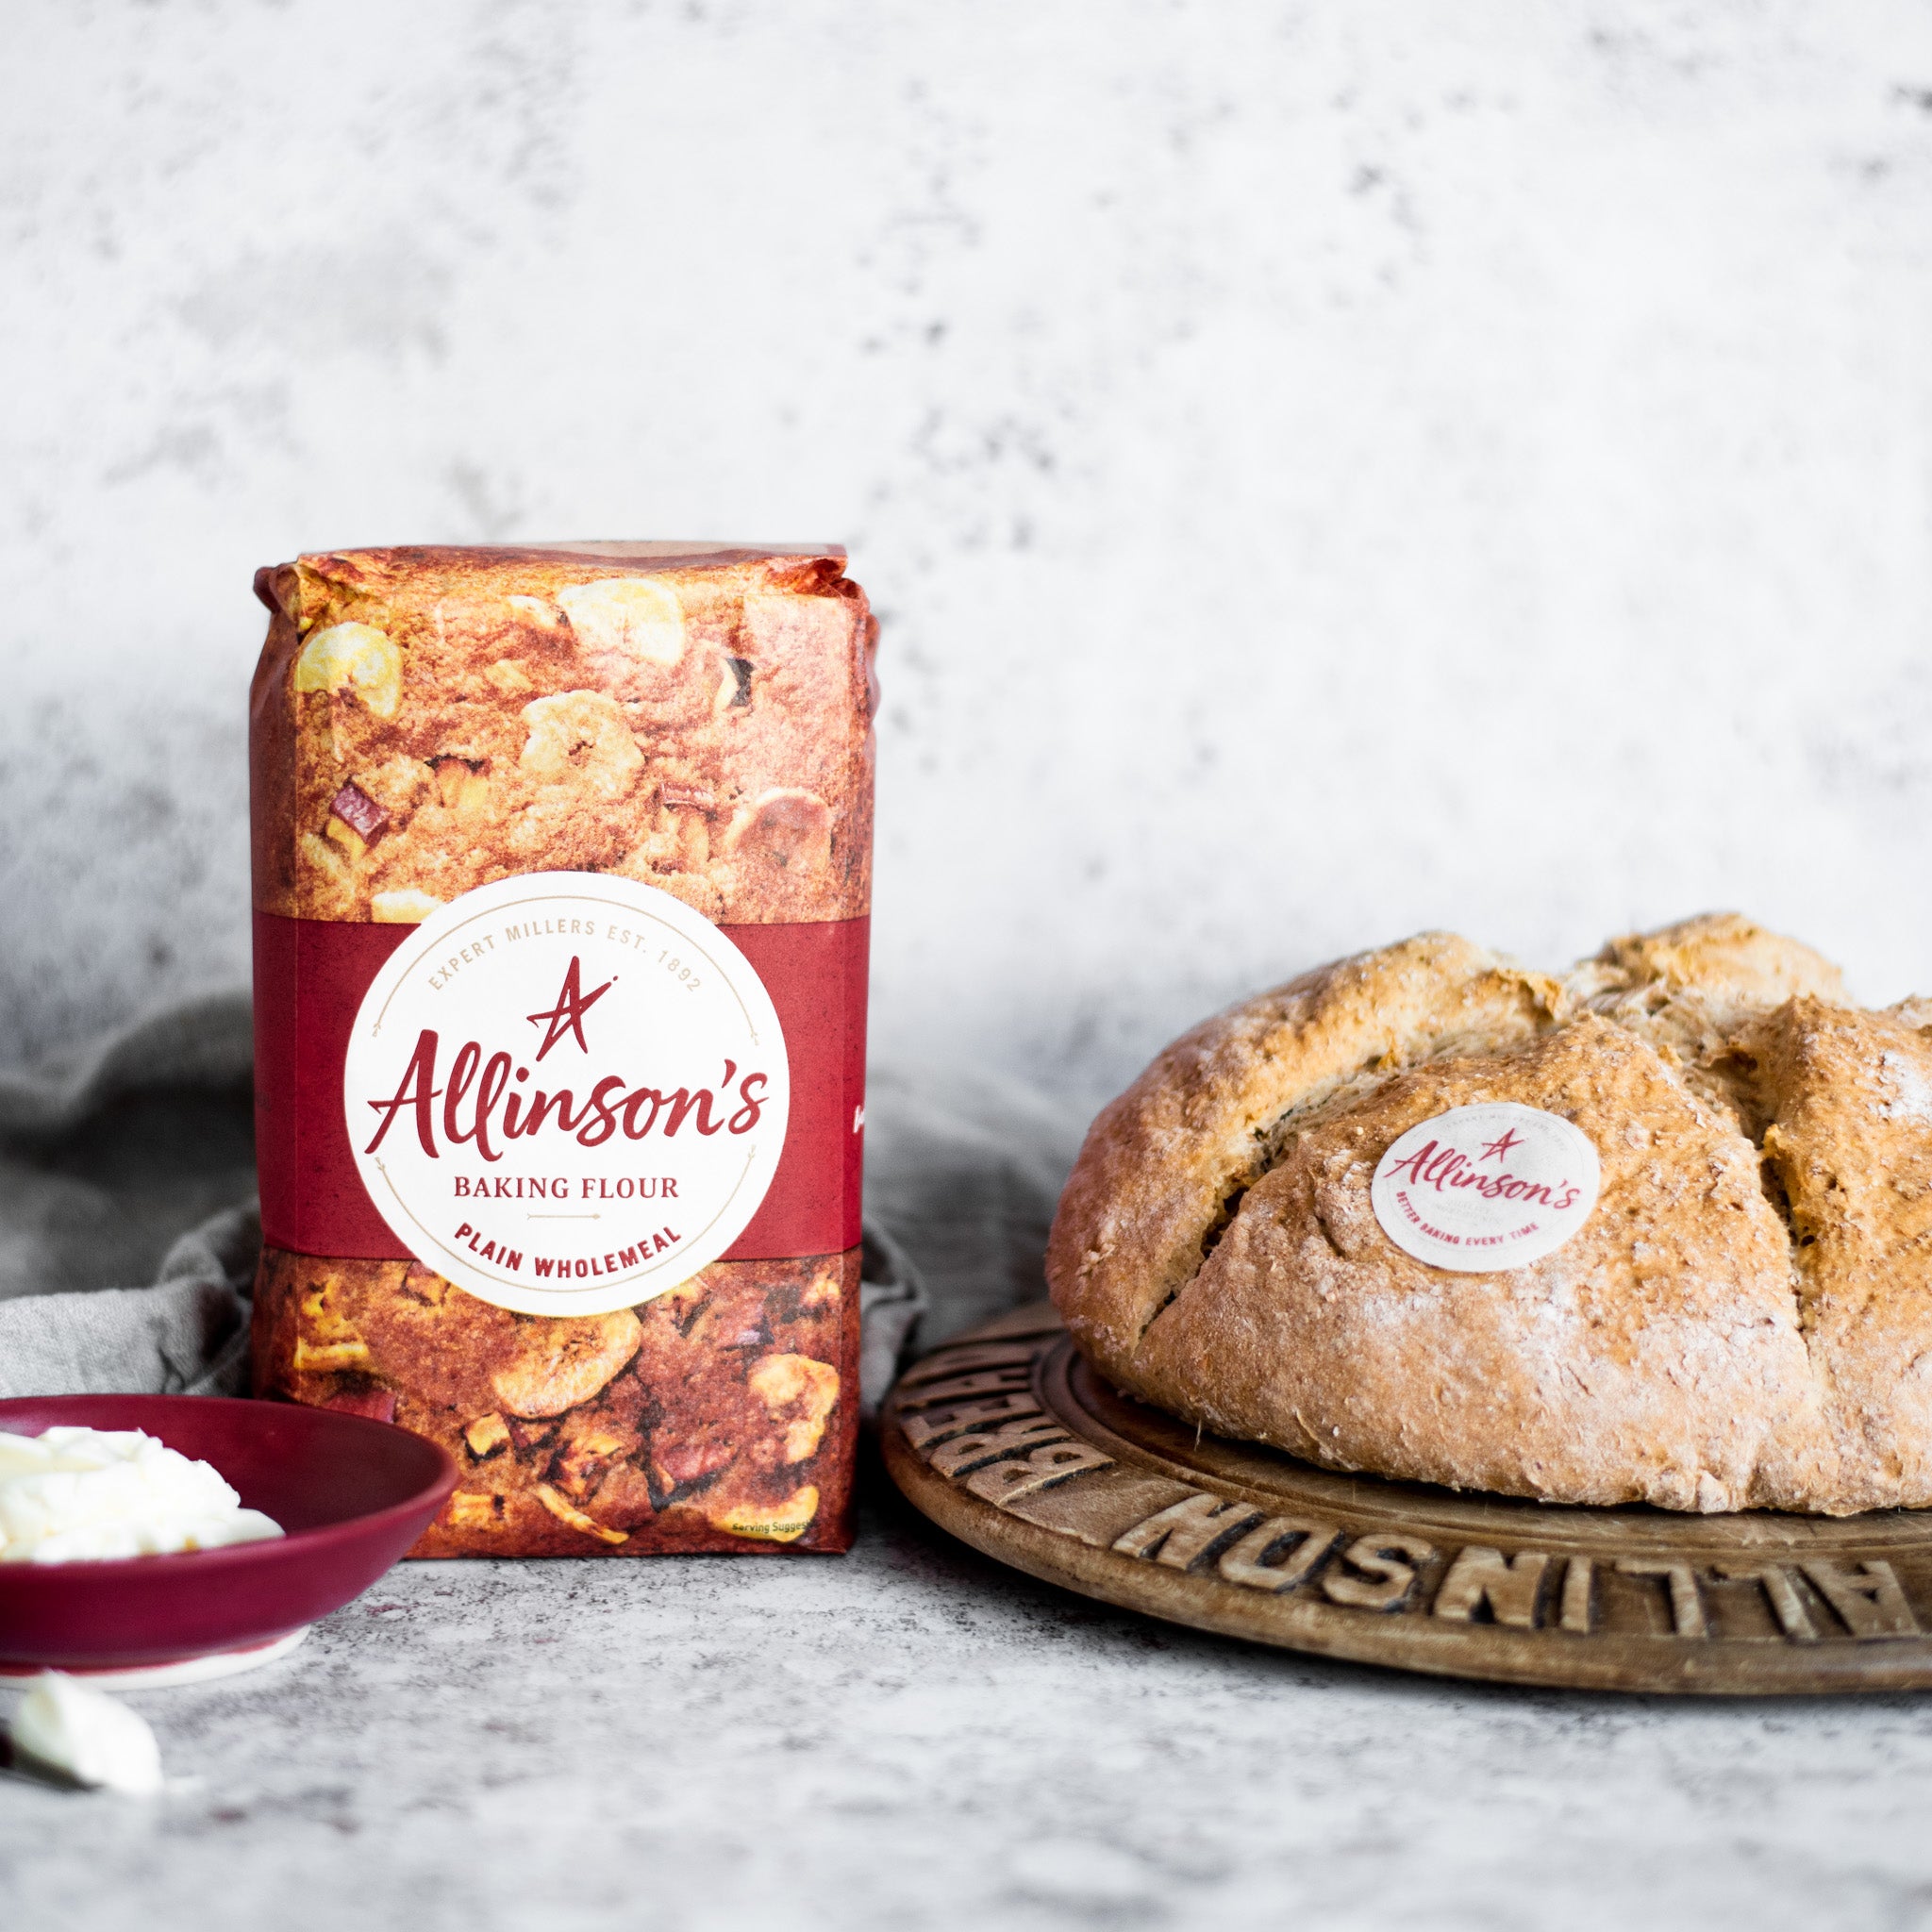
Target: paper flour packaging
column 563, row 874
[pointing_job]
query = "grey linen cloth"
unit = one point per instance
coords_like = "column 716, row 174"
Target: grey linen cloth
column 131, row 1160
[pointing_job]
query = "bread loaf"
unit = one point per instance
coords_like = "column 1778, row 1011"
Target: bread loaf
column 1744, row 1320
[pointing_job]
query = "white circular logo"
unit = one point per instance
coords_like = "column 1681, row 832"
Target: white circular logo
column 566, row 1092
column 1485, row 1187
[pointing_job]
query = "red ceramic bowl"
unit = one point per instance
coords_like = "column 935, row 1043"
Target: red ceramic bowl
column 352, row 1494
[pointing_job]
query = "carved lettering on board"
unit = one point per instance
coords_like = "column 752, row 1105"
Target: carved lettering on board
column 968, row 1452
column 1000, row 1483
column 958, row 1387
column 1508, row 1586
column 1187, row 1532
column 1579, row 1573
column 975, row 1417
column 1781, row 1592
column 1384, row 1563
column 1686, row 1605
column 1278, row 1553
column 1868, row 1600
column 933, row 1424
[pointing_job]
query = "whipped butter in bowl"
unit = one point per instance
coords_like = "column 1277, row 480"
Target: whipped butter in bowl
column 71, row 1495
column 152, row 1538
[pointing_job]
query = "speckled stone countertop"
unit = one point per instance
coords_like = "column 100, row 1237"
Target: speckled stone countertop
column 912, row 1737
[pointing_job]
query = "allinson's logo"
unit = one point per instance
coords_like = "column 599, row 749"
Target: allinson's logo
column 633, row 1158
column 469, row 1114
column 1485, row 1187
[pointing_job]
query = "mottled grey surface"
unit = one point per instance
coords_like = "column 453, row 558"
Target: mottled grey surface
column 1326, row 467
column 910, row 1738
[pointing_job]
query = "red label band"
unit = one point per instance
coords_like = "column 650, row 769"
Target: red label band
column 310, row 978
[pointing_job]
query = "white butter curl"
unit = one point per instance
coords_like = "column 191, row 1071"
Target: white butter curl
column 74, row 1728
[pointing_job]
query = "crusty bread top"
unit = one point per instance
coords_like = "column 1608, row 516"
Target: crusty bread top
column 697, row 717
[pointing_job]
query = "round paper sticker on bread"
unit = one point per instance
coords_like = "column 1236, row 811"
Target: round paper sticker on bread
column 1439, row 1198
column 1727, row 1328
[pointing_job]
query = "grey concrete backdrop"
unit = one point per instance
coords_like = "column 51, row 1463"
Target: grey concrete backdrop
column 1325, row 469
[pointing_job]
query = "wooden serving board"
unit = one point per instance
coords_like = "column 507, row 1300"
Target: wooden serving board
column 1007, row 1438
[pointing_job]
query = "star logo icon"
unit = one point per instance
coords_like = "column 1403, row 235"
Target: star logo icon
column 567, row 1015
column 1493, row 1150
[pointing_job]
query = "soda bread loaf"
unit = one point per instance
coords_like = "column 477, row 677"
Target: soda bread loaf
column 1743, row 1321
